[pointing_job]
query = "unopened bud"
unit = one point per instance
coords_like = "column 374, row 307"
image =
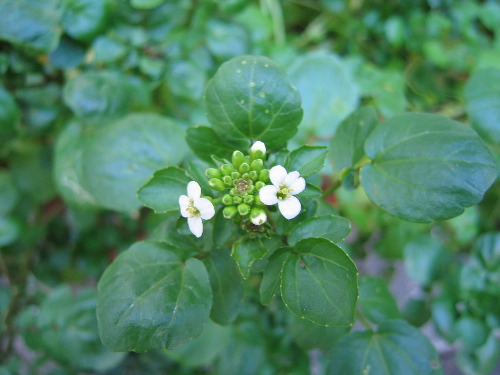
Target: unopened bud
column 257, row 201
column 245, row 176
column 259, row 185
column 227, row 200
column 226, row 169
column 216, row 184
column 213, row 173
column 233, row 191
column 237, row 199
column 248, row 199
column 238, row 158
column 250, row 189
column 264, row 175
column 228, row 181
column 244, row 167
column 257, row 165
column 235, row 175
column 258, row 216
column 229, row 212
column 243, row 209
column 258, row 150
column 254, row 175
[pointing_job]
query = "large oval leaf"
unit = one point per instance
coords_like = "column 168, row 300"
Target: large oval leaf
column 426, row 167
column 149, row 299
column 397, row 348
column 333, row 228
column 319, row 283
column 251, row 98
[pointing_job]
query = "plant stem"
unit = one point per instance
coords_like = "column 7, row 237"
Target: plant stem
column 363, row 320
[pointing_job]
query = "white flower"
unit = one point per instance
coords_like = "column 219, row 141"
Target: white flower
column 260, row 219
column 258, row 146
column 284, row 187
column 195, row 208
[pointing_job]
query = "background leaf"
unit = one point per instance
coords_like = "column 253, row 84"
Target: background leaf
column 333, row 228
column 307, row 160
column 376, row 300
column 205, row 142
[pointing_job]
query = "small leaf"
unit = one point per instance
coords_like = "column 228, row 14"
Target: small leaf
column 307, row 160
column 376, row 300
column 272, row 275
column 246, row 251
column 251, row 98
column 347, row 145
column 319, row 283
column 149, row 299
column 9, row 231
column 205, row 142
column 333, row 228
column 227, row 286
column 9, row 113
column 84, row 19
column 162, row 192
column 146, row 4
column 396, row 348
column 310, row 192
column 225, row 230
column 426, row 167
column 8, row 192
column 309, row 335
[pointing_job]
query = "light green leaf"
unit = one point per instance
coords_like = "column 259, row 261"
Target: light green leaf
column 225, row 230
column 246, row 251
column 310, row 192
column 120, row 157
column 84, row 19
column 149, row 299
column 309, row 335
column 396, row 348
column 205, row 142
column 186, row 80
column 226, row 40
column 333, row 228
column 251, row 98
column 272, row 275
column 227, row 286
column 146, row 4
column 347, row 145
column 307, row 160
column 9, row 231
column 9, row 113
column 162, row 192
column 426, row 167
column 319, row 283
column 376, row 300
column 8, row 192
column 31, row 23
column 107, row 50
column 471, row 332
column 484, row 359
column 482, row 103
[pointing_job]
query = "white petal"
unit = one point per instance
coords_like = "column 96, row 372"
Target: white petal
column 258, row 146
column 195, row 226
column 298, row 186
column 289, row 207
column 277, row 174
column 194, row 190
column 267, row 194
column 206, row 208
column 184, row 204
column 291, row 178
column 261, row 219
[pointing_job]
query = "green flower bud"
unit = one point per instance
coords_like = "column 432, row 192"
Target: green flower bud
column 226, row 169
column 264, row 175
column 235, row 175
column 238, row 158
column 237, row 199
column 216, row 184
column 228, row 181
column 244, row 168
column 227, row 200
column 257, row 165
column 243, row 209
column 250, row 189
column 233, row 191
column 257, row 201
column 254, row 175
column 259, row 185
column 248, row 199
column 245, row 176
column 258, row 216
column 213, row 173
column 258, row 150
column 229, row 212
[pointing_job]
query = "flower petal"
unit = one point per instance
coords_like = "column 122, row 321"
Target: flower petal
column 184, row 204
column 258, row 146
column 259, row 220
column 277, row 174
column 267, row 194
column 289, row 207
column 298, row 186
column 206, row 208
column 195, row 226
column 291, row 178
column 193, row 190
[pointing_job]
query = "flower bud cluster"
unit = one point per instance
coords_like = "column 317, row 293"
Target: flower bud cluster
column 241, row 180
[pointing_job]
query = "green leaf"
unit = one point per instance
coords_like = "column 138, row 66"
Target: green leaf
column 186, row 80
column 251, row 98
column 471, row 332
column 272, row 275
column 309, row 335
column 426, row 167
column 120, row 157
column 149, row 299
column 227, row 286
column 482, row 103
column 376, row 300
column 319, row 283
column 162, row 192
column 84, row 19
column 483, row 360
column 146, row 4
column 107, row 50
column 347, row 145
column 205, row 142
column 307, row 160
column 8, row 192
column 328, row 92
column 226, row 40
column 9, row 113
column 31, row 23
column 444, row 316
column 225, row 230
column 9, row 231
column 311, row 192
column 396, row 348
column 246, row 251
column 333, row 228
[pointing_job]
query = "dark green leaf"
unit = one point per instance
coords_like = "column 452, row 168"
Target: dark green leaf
column 246, row 251
column 162, row 192
column 311, row 192
column 347, row 145
column 120, row 157
column 84, row 19
column 108, row 50
column 8, row 192
column 471, row 332
column 376, row 300
column 9, row 231
column 319, row 283
column 146, row 4
column 309, row 335
column 251, row 98
column 484, row 359
column 205, row 142
column 272, row 275
column 224, row 230
column 333, row 228
column 482, row 102
column 226, row 39
column 426, row 167
column 227, row 286
column 307, row 160
column 186, row 80
column 9, row 113
column 68, row 55
column 416, row 311
column 396, row 348
column 31, row 23
column 444, row 316
column 149, row 299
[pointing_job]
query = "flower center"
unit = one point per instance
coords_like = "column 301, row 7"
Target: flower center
column 241, row 185
column 283, row 192
column 193, row 211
